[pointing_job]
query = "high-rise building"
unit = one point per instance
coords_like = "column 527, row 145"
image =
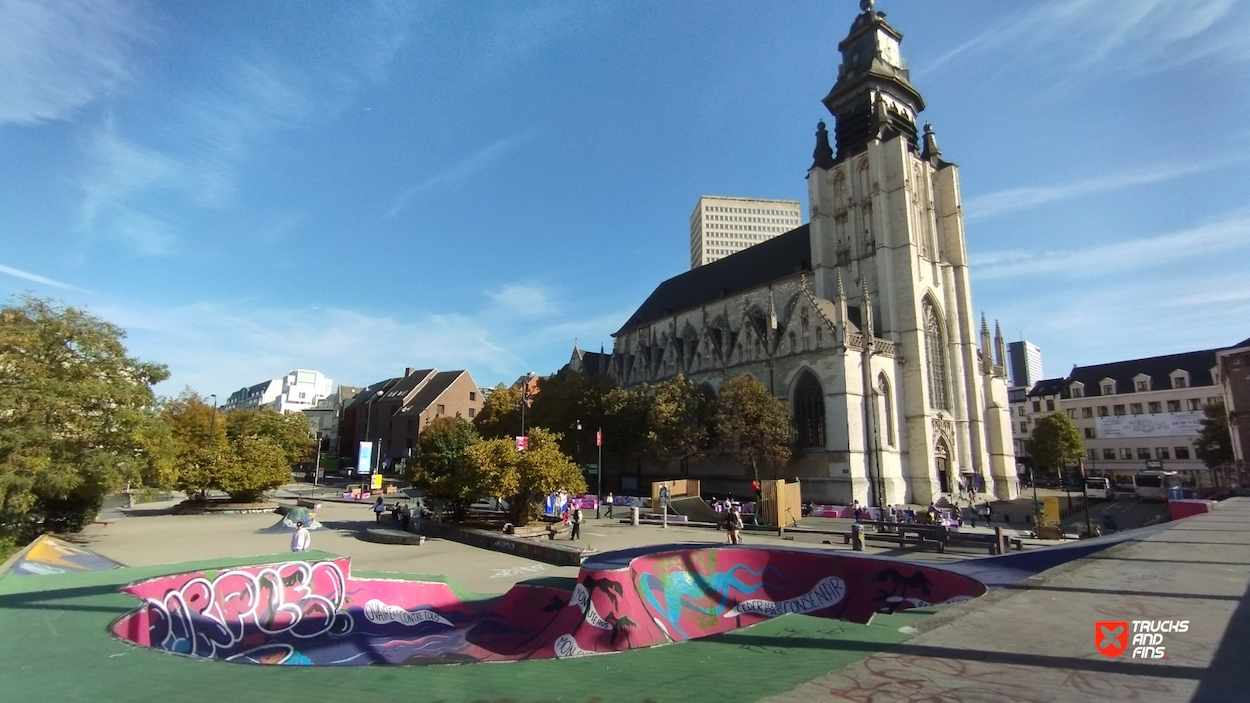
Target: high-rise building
column 1026, row 364
column 720, row 226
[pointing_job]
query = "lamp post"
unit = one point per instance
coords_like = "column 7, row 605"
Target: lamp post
column 599, row 472
column 317, row 460
column 1089, row 528
column 368, row 430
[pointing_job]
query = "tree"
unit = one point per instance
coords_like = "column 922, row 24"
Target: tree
column 440, row 465
column 501, row 413
column 290, row 432
column 524, row 478
column 1215, row 443
column 76, row 420
column 676, row 426
column 1055, row 443
column 197, row 436
column 754, row 427
column 250, row 466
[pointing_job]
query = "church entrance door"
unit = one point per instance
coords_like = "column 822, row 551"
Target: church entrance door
column 942, row 463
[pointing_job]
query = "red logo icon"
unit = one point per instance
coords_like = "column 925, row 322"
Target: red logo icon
column 1111, row 637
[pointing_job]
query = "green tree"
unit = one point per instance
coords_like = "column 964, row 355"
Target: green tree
column 753, row 426
column 1215, row 443
column 1055, row 443
column 197, row 437
column 290, row 432
column 676, row 422
column 252, row 465
column 440, row 464
column 525, row 478
column 501, row 413
column 76, row 420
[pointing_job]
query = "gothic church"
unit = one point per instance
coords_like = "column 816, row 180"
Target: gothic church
column 861, row 320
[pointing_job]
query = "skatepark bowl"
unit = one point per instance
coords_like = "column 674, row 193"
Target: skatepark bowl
column 315, row 613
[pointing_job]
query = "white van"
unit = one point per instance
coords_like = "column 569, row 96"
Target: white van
column 1099, row 488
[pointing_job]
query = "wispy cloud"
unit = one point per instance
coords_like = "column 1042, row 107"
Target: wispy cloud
column 1128, row 36
column 1014, row 199
column 459, row 173
column 1108, row 259
column 217, row 347
column 131, row 187
column 56, row 57
column 36, row 278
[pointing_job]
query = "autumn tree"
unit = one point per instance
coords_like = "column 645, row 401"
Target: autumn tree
column 524, row 478
column 290, row 432
column 440, row 464
column 197, row 437
column 500, row 415
column 1215, row 443
column 76, row 418
column 566, row 399
column 1055, row 443
column 753, row 426
column 250, row 466
column 676, row 422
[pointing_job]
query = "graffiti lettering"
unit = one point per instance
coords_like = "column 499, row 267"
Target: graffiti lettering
column 381, row 613
column 518, row 571
column 566, row 648
column 824, row 594
column 581, row 600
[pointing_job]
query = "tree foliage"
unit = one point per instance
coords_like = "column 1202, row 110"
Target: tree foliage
column 76, row 418
column 197, row 437
column 1055, row 442
column 754, row 427
column 1215, row 443
column 251, row 465
column 525, row 478
column 677, row 428
column 501, row 413
column 290, row 432
column 440, row 464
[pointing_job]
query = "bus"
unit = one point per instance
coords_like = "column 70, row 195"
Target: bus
column 1154, row 485
column 1099, row 488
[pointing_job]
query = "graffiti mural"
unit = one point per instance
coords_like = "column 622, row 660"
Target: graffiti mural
column 49, row 555
column 315, row 613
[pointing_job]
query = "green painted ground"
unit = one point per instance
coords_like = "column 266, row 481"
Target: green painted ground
column 54, row 646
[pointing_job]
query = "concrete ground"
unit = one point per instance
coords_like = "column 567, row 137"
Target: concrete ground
column 1034, row 643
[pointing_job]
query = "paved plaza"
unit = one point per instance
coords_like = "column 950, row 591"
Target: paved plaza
column 1033, row 641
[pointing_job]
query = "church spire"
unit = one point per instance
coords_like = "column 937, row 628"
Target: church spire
column 987, row 359
column 930, row 151
column 873, row 97
column 822, row 157
column 1000, row 348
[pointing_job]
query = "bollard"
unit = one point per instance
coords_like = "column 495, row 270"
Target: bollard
column 857, row 537
column 633, row 516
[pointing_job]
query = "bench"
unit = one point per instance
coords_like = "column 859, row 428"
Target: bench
column 900, row 540
column 556, row 528
column 308, row 503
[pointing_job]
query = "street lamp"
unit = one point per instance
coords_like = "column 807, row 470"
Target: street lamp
column 368, row 429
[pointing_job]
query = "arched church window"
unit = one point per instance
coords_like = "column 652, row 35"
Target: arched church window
column 809, row 411
column 935, row 359
column 887, row 406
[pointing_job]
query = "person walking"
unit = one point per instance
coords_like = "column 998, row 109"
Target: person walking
column 300, row 539
column 577, row 522
column 405, row 517
column 378, row 508
column 987, row 513
column 733, row 524
column 608, row 501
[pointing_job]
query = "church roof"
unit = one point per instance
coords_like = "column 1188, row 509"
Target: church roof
column 758, row 265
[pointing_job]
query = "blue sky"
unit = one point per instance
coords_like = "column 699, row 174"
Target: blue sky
column 356, row 187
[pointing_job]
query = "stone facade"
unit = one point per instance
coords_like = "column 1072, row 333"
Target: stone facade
column 862, row 320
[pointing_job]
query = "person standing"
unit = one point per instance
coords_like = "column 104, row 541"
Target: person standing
column 301, row 539
column 734, row 525
column 405, row 517
column 378, row 509
column 987, row 513
column 608, row 502
column 577, row 522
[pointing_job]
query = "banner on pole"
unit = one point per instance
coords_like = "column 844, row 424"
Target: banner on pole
column 599, row 438
column 522, row 443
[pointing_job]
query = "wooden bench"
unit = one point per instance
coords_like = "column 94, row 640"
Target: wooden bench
column 556, row 528
column 900, row 540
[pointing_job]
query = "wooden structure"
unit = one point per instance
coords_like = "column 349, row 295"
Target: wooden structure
column 676, row 487
column 781, row 503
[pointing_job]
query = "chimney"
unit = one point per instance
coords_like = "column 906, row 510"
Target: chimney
column 408, row 371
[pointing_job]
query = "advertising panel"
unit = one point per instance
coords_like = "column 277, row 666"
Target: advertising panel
column 364, row 464
column 1157, row 425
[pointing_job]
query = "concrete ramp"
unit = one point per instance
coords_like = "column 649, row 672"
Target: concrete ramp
column 695, row 509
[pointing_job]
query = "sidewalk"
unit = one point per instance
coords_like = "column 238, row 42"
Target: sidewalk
column 1034, row 642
